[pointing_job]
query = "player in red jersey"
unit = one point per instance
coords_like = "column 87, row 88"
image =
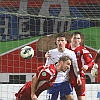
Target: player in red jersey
column 44, row 78
column 85, row 62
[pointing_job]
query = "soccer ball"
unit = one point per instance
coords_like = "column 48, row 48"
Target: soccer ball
column 27, row 52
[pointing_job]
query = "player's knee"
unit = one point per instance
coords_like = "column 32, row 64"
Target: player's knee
column 69, row 97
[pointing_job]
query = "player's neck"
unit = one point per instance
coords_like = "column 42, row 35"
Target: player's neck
column 61, row 49
column 73, row 46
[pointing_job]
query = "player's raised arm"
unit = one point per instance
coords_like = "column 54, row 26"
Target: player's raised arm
column 48, row 60
column 33, row 87
column 88, row 59
column 47, row 55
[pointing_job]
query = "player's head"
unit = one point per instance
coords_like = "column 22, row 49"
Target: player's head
column 76, row 38
column 64, row 63
column 61, row 40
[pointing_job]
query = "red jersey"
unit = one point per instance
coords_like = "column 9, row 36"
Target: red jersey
column 83, row 57
column 46, row 76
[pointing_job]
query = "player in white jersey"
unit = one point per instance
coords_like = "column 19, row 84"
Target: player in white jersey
column 61, row 84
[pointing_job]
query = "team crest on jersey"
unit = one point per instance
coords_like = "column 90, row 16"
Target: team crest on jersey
column 43, row 73
column 78, row 53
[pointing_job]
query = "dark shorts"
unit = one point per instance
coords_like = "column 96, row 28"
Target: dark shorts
column 63, row 88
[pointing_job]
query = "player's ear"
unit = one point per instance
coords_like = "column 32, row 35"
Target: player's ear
column 70, row 38
column 55, row 43
column 61, row 62
column 66, row 42
column 81, row 39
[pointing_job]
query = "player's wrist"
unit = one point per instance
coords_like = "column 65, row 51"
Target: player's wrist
column 95, row 65
column 78, row 76
column 33, row 96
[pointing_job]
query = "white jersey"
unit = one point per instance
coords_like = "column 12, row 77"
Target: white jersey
column 54, row 57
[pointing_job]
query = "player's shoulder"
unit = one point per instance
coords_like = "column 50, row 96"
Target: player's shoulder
column 82, row 47
column 53, row 50
column 40, row 68
column 68, row 50
column 85, row 51
column 49, row 67
column 70, row 53
column 47, row 72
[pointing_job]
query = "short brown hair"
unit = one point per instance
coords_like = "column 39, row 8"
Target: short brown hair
column 75, row 33
column 60, row 35
column 64, row 58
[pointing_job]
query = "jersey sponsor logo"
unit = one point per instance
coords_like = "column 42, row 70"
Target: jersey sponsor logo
column 78, row 53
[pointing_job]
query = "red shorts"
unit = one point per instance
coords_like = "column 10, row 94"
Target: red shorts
column 80, row 90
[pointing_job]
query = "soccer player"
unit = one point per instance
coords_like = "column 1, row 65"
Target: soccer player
column 85, row 62
column 61, row 84
column 94, row 70
column 43, row 79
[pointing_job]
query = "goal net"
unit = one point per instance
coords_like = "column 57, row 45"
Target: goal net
column 35, row 23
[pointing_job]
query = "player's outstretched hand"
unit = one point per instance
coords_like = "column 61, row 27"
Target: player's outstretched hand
column 94, row 70
column 84, row 68
column 47, row 55
column 79, row 82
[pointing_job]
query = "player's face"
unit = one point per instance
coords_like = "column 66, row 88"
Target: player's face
column 61, row 42
column 76, row 40
column 66, row 65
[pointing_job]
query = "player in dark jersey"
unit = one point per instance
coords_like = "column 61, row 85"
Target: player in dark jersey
column 44, row 78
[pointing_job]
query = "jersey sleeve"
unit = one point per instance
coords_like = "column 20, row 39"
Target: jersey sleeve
column 38, row 70
column 75, row 64
column 53, row 57
column 49, row 60
column 43, row 74
column 88, row 58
